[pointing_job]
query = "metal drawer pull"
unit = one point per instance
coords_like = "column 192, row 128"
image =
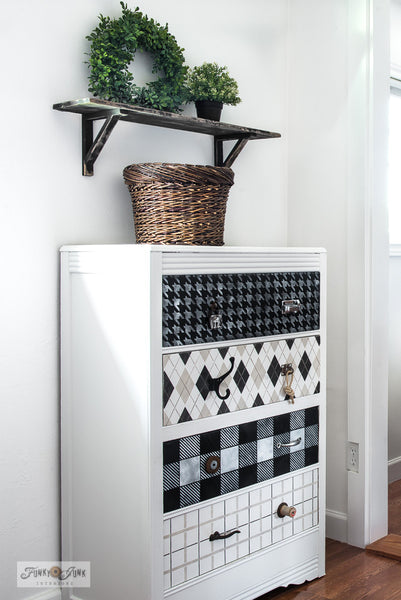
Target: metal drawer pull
column 215, row 316
column 289, row 444
column 222, row 536
column 290, row 307
column 287, row 371
column 215, row 321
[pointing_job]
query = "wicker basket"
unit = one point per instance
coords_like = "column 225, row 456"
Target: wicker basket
column 179, row 204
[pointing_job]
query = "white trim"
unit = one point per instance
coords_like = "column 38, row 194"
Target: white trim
column 336, row 525
column 307, row 571
column 49, row 595
column 367, row 277
column 212, row 260
column 356, row 277
column 237, row 262
column 376, row 420
column 394, row 469
column 122, row 248
column 240, row 342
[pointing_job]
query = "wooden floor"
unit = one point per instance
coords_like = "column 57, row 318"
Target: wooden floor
column 352, row 573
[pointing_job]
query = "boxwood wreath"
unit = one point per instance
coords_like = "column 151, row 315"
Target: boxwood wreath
column 113, row 44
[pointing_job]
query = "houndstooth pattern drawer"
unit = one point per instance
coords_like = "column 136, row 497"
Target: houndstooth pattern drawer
column 250, row 305
column 188, row 551
column 251, row 375
column 245, row 454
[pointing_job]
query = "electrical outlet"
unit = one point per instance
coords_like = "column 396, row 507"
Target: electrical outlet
column 353, row 457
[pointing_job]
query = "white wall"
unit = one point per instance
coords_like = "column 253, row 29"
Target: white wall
column 317, row 191
column 336, row 151
column 45, row 202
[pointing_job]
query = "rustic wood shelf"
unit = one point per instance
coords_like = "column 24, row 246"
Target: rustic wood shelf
column 93, row 109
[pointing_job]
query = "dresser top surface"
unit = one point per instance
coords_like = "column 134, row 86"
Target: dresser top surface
column 188, row 249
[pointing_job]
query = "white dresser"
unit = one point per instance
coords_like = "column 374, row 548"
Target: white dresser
column 188, row 471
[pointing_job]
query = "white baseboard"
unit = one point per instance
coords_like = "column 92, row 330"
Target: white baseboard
column 48, row 595
column 394, row 469
column 336, row 525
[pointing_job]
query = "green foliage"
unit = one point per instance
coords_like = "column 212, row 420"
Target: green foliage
column 113, row 44
column 211, row 82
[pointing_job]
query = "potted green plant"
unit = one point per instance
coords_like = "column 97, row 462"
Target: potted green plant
column 210, row 86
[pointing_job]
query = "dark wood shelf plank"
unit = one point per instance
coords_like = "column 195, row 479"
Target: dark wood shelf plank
column 93, row 109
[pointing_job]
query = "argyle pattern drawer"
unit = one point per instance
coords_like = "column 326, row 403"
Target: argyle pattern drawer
column 241, row 455
column 188, row 551
column 249, row 305
column 209, row 382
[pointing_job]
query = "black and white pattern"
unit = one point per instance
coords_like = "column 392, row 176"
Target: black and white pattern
column 249, row 453
column 255, row 379
column 249, row 304
column 188, row 551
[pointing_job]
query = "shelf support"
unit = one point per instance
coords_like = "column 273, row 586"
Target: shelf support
column 91, row 149
column 218, row 150
column 93, row 109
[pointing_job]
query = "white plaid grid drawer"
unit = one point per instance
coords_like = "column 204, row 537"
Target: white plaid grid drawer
column 252, row 513
column 260, row 504
column 237, row 546
column 249, row 453
column 301, row 492
column 166, row 537
column 167, row 571
column 236, row 511
column 184, row 564
column 211, row 518
column 184, row 530
column 255, row 378
column 250, row 305
column 260, row 534
column 211, row 556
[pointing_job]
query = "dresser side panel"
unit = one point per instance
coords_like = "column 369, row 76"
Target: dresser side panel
column 105, row 427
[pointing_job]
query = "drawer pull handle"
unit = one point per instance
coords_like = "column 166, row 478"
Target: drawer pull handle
column 222, row 536
column 287, row 371
column 290, row 307
column 289, row 444
column 286, row 511
column 215, row 317
column 215, row 382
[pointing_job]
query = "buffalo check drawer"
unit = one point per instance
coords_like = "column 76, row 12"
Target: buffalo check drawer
column 206, row 465
column 248, row 519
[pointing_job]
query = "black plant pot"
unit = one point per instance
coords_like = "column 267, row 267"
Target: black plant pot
column 208, row 109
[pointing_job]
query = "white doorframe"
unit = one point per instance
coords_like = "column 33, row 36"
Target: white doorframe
column 367, row 277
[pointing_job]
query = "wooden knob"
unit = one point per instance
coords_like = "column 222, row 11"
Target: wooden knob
column 286, row 511
column 212, row 464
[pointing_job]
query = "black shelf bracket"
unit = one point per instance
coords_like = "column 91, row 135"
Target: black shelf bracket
column 91, row 149
column 93, row 109
column 218, row 150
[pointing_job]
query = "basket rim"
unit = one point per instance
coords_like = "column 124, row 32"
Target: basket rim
column 178, row 173
column 169, row 164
